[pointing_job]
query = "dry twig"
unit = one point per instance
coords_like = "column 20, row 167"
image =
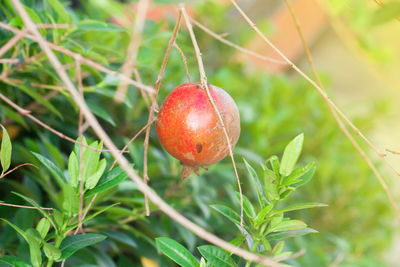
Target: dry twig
column 184, row 60
column 203, row 79
column 154, row 103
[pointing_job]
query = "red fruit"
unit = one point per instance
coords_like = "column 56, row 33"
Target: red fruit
column 189, row 129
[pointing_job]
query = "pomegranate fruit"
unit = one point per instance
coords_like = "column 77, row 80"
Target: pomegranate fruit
column 190, row 130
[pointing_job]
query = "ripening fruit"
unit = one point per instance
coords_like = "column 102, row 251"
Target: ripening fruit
column 189, row 129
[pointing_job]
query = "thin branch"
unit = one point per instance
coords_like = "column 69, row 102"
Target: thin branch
column 53, row 26
column 203, row 79
column 393, row 151
column 154, row 197
column 27, row 114
column 335, row 108
column 9, row 61
column 132, row 50
column 334, row 114
column 24, row 207
column 142, row 92
column 78, row 75
column 154, row 102
column 237, row 47
column 19, row 166
column 130, row 141
column 184, row 60
column 84, row 60
column 10, row 44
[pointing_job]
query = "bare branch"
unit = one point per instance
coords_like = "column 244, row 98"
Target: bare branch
column 9, row 61
column 184, row 61
column 133, row 48
column 204, row 83
column 154, row 103
column 168, row 210
column 237, row 47
column 24, row 207
column 19, row 166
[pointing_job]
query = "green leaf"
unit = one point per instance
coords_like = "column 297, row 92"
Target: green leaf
column 70, row 201
column 290, row 234
column 247, row 206
column 270, row 185
column 299, row 206
column 256, row 182
column 72, row 244
column 227, row 212
column 121, row 237
column 278, row 247
column 63, row 16
column 51, row 251
column 261, row 215
column 58, row 218
column 288, row 225
column 216, row 256
column 101, row 112
column 73, row 169
column 291, row 155
column 54, row 170
column 111, row 179
column 385, row 13
column 297, row 175
column 43, row 227
column 34, row 245
column 306, row 177
column 14, row 261
column 176, row 252
column 5, row 151
column 92, row 180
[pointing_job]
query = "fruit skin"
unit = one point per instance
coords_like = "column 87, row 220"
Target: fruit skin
column 189, row 129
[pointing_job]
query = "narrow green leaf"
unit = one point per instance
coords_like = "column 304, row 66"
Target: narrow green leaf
column 291, row 155
column 306, row 177
column 43, row 227
column 101, row 112
column 278, row 247
column 5, row 152
column 54, row 170
column 93, row 179
column 290, row 234
column 216, row 256
column 227, row 212
column 261, row 215
column 288, row 225
column 58, row 218
column 247, row 206
column 70, row 201
column 121, row 237
column 111, row 179
column 297, row 175
column 299, row 206
column 14, row 261
column 270, row 185
column 72, row 244
column 73, row 169
column 176, row 252
column 256, row 182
